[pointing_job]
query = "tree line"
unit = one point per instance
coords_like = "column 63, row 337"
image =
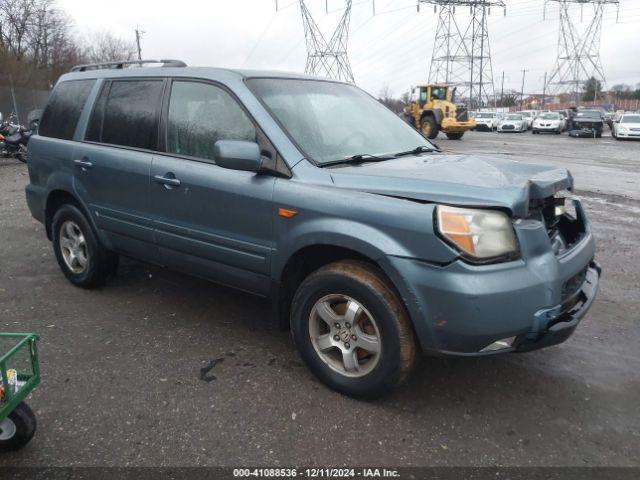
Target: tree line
column 38, row 43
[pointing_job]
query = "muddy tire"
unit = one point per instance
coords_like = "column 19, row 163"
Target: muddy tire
column 429, row 127
column 352, row 330
column 454, row 136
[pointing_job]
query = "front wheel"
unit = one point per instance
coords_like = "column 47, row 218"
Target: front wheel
column 352, row 330
column 455, row 136
column 429, row 127
column 17, row 429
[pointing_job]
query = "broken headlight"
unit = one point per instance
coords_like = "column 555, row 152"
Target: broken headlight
column 481, row 234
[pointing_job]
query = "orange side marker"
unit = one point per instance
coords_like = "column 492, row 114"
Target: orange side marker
column 283, row 212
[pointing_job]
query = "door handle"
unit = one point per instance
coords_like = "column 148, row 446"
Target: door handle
column 84, row 164
column 172, row 182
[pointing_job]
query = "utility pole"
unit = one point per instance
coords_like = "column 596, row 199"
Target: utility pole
column 502, row 91
column 139, row 34
column 544, row 90
column 524, row 72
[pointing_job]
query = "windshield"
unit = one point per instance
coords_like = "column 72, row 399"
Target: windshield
column 513, row 117
column 630, row 119
column 485, row 115
column 550, row 116
column 526, row 114
column 334, row 121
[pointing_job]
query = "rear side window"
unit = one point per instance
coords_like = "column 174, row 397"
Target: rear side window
column 126, row 114
column 201, row 114
column 60, row 117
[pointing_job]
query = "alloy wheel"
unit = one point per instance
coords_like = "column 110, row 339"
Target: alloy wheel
column 73, row 246
column 345, row 335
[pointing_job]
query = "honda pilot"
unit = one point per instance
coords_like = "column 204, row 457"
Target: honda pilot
column 372, row 246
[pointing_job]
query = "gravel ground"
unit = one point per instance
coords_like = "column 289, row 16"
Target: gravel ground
column 121, row 366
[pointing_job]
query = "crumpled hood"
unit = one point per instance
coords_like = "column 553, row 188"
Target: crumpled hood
column 468, row 180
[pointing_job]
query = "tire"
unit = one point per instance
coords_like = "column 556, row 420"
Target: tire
column 380, row 312
column 598, row 134
column 17, row 429
column 455, row 136
column 99, row 263
column 429, row 127
column 534, row 132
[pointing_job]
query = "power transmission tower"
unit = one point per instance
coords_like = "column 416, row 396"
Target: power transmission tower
column 578, row 53
column 327, row 59
column 461, row 52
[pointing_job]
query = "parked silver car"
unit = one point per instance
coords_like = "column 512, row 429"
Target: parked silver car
column 512, row 122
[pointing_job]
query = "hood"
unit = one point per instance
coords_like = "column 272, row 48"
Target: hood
column 465, row 180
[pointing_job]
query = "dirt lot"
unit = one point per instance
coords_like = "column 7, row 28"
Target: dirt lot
column 121, row 366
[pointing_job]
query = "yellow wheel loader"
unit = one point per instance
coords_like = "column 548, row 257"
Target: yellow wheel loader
column 431, row 110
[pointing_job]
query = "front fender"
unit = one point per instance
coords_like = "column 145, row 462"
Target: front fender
column 337, row 232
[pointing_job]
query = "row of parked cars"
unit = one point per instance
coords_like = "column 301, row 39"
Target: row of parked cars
column 579, row 123
column 536, row 121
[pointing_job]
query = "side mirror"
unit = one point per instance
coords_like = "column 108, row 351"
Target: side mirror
column 238, row 155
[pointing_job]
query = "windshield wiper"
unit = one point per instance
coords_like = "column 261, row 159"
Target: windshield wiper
column 356, row 160
column 417, row 150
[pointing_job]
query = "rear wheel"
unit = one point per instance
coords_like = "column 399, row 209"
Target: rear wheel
column 429, row 127
column 455, row 136
column 352, row 330
column 18, row 428
column 83, row 260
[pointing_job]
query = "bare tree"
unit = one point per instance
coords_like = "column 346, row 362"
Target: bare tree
column 105, row 47
column 37, row 44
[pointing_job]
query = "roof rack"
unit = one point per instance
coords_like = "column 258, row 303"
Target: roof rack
column 125, row 64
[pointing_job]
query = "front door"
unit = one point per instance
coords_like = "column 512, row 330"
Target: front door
column 208, row 220
column 112, row 166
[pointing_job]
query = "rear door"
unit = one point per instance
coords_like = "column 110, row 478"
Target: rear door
column 210, row 221
column 112, row 165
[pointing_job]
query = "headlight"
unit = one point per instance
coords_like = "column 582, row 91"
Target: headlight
column 481, row 234
column 622, row 129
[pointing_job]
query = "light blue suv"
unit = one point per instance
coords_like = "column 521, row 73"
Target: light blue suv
column 371, row 244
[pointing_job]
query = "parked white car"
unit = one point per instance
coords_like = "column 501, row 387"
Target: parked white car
column 627, row 126
column 512, row 122
column 548, row 122
column 528, row 118
column 486, row 121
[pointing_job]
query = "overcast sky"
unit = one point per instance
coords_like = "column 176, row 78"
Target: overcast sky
column 391, row 49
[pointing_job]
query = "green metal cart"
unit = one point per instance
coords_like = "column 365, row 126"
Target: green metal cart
column 19, row 375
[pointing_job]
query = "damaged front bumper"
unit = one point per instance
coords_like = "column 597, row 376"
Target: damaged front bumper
column 536, row 301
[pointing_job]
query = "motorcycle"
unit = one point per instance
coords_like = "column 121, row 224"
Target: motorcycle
column 14, row 137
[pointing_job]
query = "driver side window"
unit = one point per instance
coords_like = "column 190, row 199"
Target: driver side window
column 201, row 114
